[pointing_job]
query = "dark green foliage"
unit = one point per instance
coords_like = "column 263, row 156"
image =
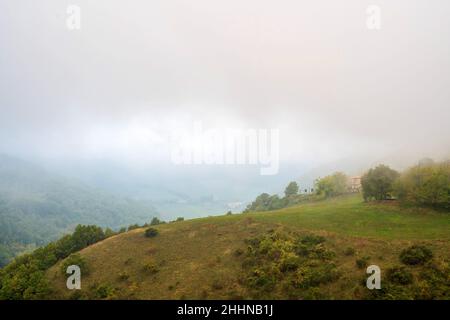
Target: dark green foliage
column 133, row 226
column 362, row 262
column 291, row 189
column 378, row 183
column 24, row 277
column 150, row 268
column 102, row 291
column 399, row 275
column 77, row 260
column 151, row 232
column 155, row 221
column 416, row 254
column 180, row 219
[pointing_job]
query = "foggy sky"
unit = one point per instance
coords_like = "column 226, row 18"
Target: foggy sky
column 137, row 70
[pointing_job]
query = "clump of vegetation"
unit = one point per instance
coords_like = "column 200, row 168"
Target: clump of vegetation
column 425, row 281
column 151, row 232
column 77, row 260
column 102, row 291
column 349, row 251
column 416, row 254
column 286, row 261
column 150, row 268
column 123, row 276
column 427, row 184
column 399, row 275
column 179, row 219
column 362, row 262
column 332, row 185
column 133, row 226
column 155, row 221
column 24, row 277
column 229, row 213
column 378, row 183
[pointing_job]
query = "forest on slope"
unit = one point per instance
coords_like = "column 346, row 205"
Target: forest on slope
column 37, row 207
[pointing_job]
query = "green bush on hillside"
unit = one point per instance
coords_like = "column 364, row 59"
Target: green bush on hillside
column 151, row 232
column 74, row 260
column 416, row 254
column 399, row 275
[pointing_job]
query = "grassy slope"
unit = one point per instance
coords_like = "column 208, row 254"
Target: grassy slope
column 195, row 258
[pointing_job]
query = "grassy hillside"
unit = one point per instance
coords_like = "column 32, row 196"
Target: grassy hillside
column 224, row 257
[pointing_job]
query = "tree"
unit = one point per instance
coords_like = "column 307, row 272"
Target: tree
column 378, row 183
column 291, row 189
column 155, row 221
column 427, row 184
column 332, row 185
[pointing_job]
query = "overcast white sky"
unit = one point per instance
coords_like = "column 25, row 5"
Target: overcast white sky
column 137, row 70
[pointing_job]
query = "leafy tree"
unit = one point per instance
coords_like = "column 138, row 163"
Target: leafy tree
column 291, row 189
column 155, row 221
column 427, row 184
column 332, row 185
column 378, row 183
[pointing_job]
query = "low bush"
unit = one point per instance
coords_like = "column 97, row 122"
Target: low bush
column 151, row 232
column 150, row 268
column 77, row 260
column 349, row 251
column 362, row 262
column 399, row 275
column 416, row 254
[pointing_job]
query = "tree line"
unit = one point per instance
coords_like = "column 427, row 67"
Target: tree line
column 426, row 184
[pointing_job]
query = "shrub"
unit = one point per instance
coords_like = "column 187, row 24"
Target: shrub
column 77, row 260
column 155, row 221
column 151, row 268
column 290, row 263
column 399, row 275
column 123, row 276
column 151, row 232
column 238, row 252
column 180, row 219
column 349, row 251
column 311, row 240
column 315, row 276
column 103, row 291
column 362, row 262
column 133, row 226
column 416, row 254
